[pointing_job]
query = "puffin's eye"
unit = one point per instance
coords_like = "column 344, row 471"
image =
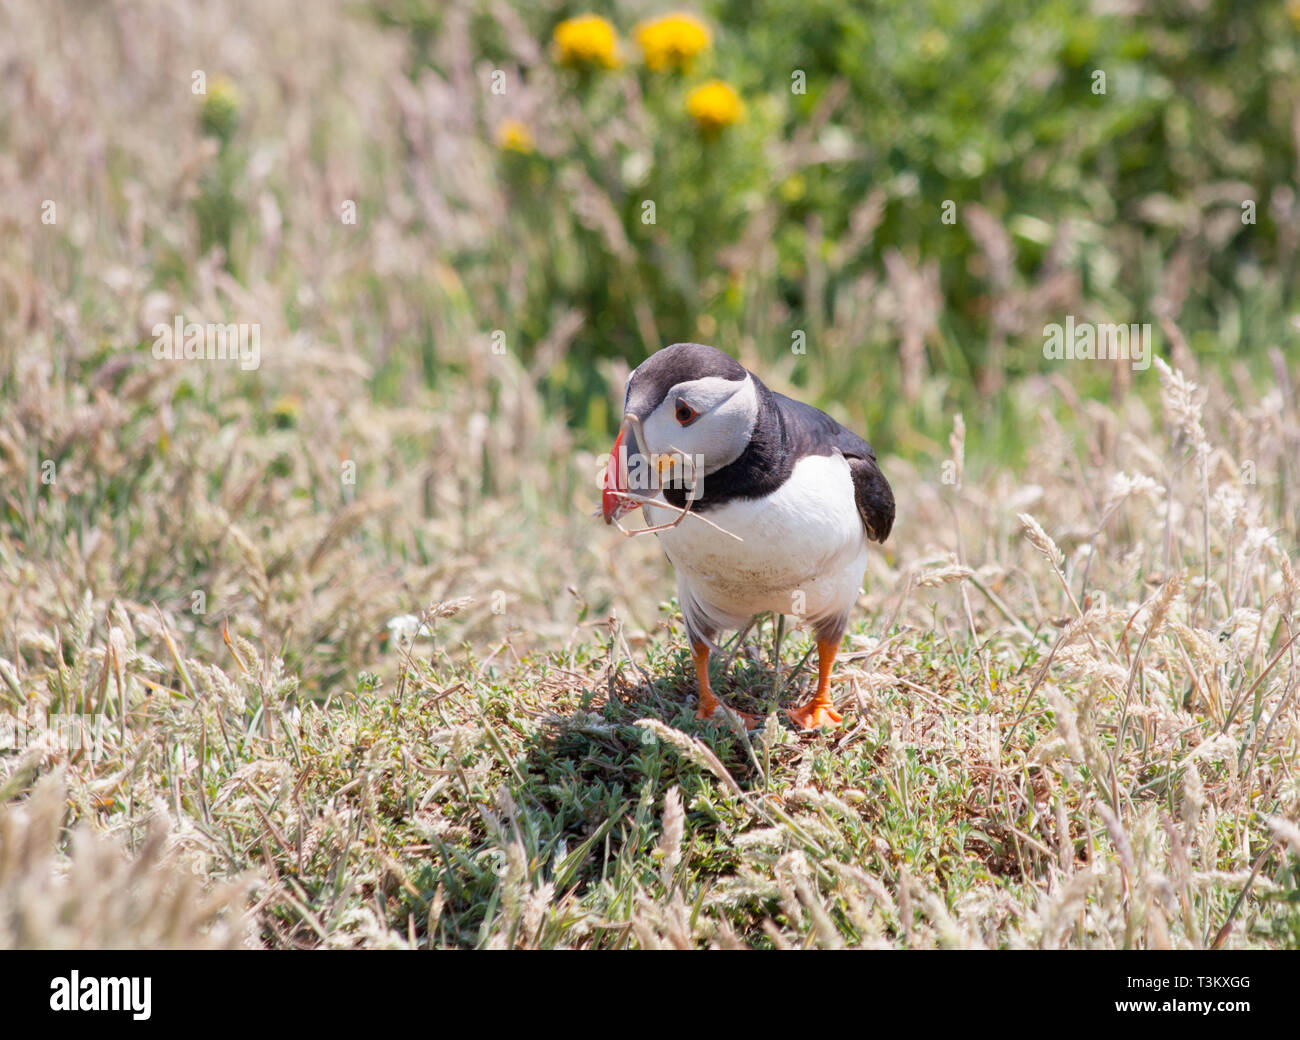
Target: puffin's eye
column 685, row 413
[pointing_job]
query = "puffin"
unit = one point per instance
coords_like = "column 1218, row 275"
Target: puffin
column 760, row 502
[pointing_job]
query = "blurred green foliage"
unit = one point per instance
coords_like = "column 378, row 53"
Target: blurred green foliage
column 1100, row 164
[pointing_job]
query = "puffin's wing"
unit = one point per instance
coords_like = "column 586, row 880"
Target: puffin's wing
column 812, row 432
column 874, row 496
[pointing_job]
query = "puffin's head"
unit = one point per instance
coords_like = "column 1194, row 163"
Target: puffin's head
column 697, row 409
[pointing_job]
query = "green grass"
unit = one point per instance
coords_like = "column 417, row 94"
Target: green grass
column 1074, row 730
column 572, row 799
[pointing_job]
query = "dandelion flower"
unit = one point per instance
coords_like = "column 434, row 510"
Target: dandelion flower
column 672, row 42
column 286, row 410
column 587, row 41
column 715, row 105
column 219, row 113
column 514, row 136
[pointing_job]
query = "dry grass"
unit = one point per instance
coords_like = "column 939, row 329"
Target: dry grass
column 1073, row 714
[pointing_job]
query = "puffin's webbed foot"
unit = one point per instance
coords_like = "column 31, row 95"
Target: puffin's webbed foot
column 815, row 714
column 820, row 711
column 709, row 704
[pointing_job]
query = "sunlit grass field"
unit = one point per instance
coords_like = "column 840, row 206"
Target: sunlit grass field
column 333, row 651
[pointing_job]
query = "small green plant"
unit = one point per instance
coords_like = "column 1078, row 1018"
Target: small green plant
column 217, row 206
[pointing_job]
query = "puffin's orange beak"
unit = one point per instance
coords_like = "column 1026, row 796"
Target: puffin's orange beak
column 613, row 502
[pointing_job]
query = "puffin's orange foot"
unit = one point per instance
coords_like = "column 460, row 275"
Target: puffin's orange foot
column 714, row 712
column 710, row 704
column 815, row 714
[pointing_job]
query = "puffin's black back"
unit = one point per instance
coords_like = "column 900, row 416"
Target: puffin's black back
column 812, row 432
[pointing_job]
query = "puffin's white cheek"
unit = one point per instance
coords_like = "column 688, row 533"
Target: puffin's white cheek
column 720, row 444
column 697, row 444
column 662, row 436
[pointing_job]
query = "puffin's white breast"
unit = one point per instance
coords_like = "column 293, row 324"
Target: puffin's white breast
column 802, row 551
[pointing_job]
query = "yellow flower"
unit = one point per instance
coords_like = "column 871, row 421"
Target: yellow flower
column 586, row 42
column 934, row 44
column 1293, row 10
column 514, row 136
column 219, row 112
column 714, row 105
column 672, row 42
column 285, row 410
column 794, row 188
